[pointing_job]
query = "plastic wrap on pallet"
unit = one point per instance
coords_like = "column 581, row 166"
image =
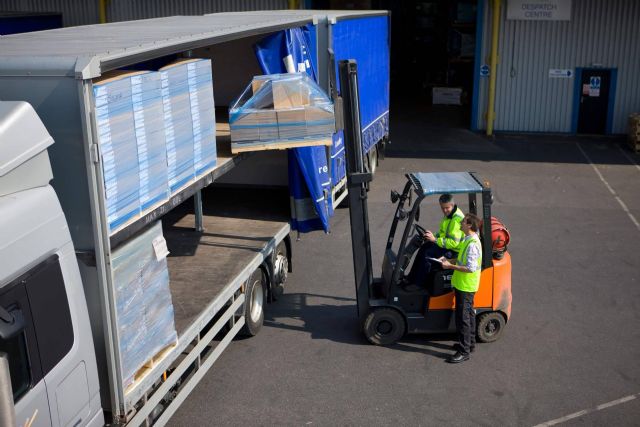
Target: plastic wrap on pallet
column 146, row 95
column 118, row 149
column 178, row 124
column 202, row 114
column 281, row 111
column 143, row 302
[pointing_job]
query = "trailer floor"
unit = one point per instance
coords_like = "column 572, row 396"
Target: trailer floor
column 201, row 264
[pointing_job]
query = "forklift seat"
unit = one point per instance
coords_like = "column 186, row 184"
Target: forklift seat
column 439, row 282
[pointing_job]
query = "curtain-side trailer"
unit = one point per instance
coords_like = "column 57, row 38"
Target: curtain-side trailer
column 229, row 249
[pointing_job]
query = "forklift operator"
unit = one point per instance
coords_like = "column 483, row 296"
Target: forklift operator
column 445, row 243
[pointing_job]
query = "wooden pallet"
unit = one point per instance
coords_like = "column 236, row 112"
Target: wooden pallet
column 148, row 366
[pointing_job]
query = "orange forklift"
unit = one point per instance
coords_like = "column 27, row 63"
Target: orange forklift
column 389, row 306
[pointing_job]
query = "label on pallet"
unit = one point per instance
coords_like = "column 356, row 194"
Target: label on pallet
column 160, row 248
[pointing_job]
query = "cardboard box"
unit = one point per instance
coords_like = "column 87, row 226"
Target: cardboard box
column 447, row 96
column 287, row 94
column 292, row 123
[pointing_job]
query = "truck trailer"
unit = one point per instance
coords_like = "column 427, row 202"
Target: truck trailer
column 229, row 250
column 228, row 244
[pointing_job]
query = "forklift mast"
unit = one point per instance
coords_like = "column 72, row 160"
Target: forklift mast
column 357, row 180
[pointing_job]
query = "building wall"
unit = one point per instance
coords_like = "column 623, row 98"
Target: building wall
column 85, row 12
column 600, row 33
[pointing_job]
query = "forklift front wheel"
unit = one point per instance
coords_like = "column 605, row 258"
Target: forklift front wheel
column 490, row 326
column 384, row 326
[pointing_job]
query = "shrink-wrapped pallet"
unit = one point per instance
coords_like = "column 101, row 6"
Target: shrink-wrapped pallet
column 150, row 137
column 178, row 124
column 143, row 301
column 280, row 111
column 202, row 114
column 115, row 129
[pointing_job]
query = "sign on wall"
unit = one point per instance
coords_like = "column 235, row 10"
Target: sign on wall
column 539, row 10
column 560, row 73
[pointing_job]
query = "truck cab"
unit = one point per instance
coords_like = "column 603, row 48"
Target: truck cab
column 45, row 333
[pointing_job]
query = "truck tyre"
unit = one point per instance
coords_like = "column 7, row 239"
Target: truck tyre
column 280, row 269
column 384, row 326
column 254, row 303
column 490, row 326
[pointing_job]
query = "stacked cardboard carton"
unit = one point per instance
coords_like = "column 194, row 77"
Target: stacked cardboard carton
column 144, row 307
column 202, row 114
column 118, row 147
column 146, row 92
column 281, row 111
column 156, row 132
column 178, row 124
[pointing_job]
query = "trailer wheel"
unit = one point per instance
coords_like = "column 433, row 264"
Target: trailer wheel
column 490, row 326
column 254, row 303
column 384, row 326
column 280, row 269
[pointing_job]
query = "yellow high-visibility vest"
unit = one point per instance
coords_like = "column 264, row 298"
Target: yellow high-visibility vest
column 467, row 282
column 450, row 235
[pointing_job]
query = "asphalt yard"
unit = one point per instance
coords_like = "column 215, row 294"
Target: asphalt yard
column 569, row 353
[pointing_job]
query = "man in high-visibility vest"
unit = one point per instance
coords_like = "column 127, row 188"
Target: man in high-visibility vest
column 444, row 243
column 465, row 281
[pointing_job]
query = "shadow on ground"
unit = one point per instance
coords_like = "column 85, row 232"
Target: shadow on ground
column 333, row 318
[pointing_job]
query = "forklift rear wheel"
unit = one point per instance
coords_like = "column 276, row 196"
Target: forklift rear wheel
column 490, row 326
column 254, row 303
column 384, row 326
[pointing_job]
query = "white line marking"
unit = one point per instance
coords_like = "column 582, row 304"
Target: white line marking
column 629, row 158
column 588, row 411
column 611, row 190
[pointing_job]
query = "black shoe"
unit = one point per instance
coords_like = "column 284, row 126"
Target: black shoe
column 458, row 347
column 458, row 357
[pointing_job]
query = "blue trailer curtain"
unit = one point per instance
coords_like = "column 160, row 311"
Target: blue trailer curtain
column 289, row 51
column 366, row 39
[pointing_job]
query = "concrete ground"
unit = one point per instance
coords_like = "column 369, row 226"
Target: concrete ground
column 569, row 353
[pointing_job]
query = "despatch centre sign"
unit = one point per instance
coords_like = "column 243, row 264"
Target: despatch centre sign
column 539, row 10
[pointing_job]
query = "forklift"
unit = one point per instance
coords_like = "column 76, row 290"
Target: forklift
column 389, row 307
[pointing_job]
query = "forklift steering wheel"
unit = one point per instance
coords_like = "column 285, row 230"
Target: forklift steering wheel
column 420, row 230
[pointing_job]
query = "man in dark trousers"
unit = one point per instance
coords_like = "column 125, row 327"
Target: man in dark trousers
column 445, row 242
column 465, row 281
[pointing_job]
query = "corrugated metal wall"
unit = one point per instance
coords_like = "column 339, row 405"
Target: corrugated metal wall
column 601, row 32
column 85, row 12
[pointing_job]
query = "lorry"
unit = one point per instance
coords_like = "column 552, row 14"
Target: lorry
column 228, row 243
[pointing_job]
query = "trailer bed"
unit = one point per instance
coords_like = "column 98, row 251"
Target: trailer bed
column 202, row 264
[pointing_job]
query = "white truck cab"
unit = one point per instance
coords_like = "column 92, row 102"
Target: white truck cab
column 45, row 333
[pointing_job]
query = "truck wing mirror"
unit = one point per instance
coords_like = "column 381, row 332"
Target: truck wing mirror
column 395, row 196
column 11, row 323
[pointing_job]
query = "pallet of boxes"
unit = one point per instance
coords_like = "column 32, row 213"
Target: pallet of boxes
column 280, row 111
column 634, row 132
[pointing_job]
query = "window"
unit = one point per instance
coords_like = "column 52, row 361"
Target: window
column 16, row 350
column 40, row 298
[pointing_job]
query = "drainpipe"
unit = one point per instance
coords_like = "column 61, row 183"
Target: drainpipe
column 102, row 11
column 495, row 30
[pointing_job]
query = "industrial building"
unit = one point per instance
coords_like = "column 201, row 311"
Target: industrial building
column 551, row 66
